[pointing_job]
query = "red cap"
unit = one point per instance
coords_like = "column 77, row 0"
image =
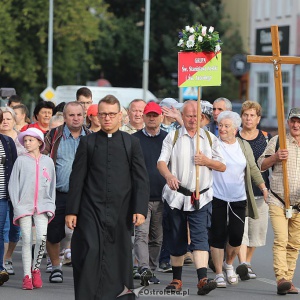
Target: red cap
column 152, row 107
column 92, row 110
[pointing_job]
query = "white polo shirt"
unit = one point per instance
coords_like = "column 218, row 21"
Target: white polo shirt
column 180, row 160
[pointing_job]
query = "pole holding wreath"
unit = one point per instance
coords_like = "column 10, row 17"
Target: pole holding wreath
column 199, row 64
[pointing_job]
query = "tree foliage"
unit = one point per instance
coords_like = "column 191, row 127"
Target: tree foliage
column 106, row 36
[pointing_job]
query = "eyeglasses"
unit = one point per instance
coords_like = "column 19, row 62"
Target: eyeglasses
column 86, row 103
column 104, row 115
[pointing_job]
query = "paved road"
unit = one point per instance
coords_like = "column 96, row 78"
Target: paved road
column 257, row 289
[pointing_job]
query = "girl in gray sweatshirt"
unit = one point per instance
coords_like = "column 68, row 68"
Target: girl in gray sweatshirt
column 32, row 192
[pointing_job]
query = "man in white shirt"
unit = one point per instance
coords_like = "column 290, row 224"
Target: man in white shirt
column 180, row 154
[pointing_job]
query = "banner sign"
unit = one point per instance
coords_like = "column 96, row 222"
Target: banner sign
column 199, row 69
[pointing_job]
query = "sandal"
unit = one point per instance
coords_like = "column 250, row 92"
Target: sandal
column 231, row 279
column 56, row 276
column 220, row 280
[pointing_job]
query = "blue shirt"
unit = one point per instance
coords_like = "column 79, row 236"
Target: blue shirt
column 65, row 157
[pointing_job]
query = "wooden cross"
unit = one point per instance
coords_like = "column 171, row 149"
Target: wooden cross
column 277, row 61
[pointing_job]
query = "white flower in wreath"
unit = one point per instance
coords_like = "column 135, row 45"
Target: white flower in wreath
column 180, row 43
column 204, row 28
column 200, row 39
column 192, row 30
column 187, row 28
column 211, row 29
column 217, row 48
column 191, row 37
column 190, row 43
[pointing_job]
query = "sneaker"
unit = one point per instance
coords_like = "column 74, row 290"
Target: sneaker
column 136, row 274
column 220, row 280
column 283, row 286
column 27, row 283
column 205, row 286
column 175, row 285
column 154, row 280
column 165, row 268
column 146, row 275
column 188, row 258
column 36, row 279
column 252, row 275
column 3, row 277
column 242, row 271
column 293, row 290
column 9, row 267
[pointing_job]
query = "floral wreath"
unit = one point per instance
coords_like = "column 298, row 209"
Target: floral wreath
column 198, row 39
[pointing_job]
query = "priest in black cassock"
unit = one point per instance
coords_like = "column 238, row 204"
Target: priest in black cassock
column 109, row 192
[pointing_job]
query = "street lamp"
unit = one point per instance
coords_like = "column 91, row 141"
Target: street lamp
column 146, row 49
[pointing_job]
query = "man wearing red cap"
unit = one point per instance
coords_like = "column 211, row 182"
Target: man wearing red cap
column 148, row 236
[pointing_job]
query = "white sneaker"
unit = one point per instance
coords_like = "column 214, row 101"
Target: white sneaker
column 9, row 267
column 252, row 275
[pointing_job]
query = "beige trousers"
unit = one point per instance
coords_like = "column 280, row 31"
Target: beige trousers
column 286, row 242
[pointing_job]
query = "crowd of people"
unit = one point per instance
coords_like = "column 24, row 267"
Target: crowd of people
column 123, row 193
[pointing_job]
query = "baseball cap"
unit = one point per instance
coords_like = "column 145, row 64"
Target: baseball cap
column 294, row 113
column 207, row 108
column 168, row 102
column 92, row 110
column 32, row 132
column 152, row 107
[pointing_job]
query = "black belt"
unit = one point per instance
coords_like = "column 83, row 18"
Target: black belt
column 296, row 206
column 187, row 192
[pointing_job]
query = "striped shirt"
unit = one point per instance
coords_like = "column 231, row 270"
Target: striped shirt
column 65, row 157
column 293, row 170
column 180, row 158
column 2, row 172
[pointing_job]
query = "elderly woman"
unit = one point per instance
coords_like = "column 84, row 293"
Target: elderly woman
column 8, row 155
column 11, row 231
column 255, row 231
column 42, row 114
column 233, row 195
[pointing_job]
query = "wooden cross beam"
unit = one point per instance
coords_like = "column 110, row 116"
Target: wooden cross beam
column 277, row 61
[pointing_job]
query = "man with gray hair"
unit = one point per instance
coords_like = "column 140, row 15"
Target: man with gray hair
column 219, row 105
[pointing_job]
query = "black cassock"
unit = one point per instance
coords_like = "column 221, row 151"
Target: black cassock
column 108, row 184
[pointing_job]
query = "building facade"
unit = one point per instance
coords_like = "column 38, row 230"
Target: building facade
column 286, row 15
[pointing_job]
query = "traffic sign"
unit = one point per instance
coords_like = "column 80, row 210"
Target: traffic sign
column 190, row 93
column 48, row 94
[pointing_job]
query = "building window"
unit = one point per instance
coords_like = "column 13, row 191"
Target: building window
column 279, row 9
column 285, row 90
column 267, row 9
column 258, row 10
column 288, row 7
column 263, row 91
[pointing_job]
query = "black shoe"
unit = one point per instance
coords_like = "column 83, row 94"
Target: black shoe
column 165, row 268
column 243, row 272
column 3, row 277
column 154, row 280
column 146, row 275
column 205, row 286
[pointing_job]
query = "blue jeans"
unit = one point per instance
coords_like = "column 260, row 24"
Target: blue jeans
column 14, row 230
column 3, row 214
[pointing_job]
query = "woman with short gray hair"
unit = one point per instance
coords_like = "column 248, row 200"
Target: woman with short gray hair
column 232, row 195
